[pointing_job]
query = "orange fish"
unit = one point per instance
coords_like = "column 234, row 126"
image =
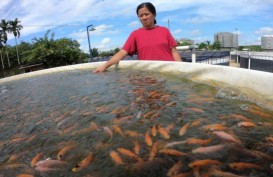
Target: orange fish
column 226, row 137
column 124, row 119
column 154, row 151
column 84, row 163
column 205, row 162
column 13, row 158
column 196, row 122
column 260, row 113
column 88, row 113
column 243, row 165
column 175, row 169
column 208, row 149
column 163, row 132
column 61, row 117
column 36, row 158
column 184, row 129
column 155, row 115
column 101, row 109
column 18, row 139
column 119, row 110
column 68, row 129
column 170, row 127
column 108, row 131
column 116, row 158
column 129, row 153
column 237, row 116
column 148, row 138
column 153, row 130
column 172, row 152
column 189, row 141
column 85, row 99
column 149, row 114
column 246, row 124
column 93, row 126
column 198, row 110
column 219, row 173
column 24, row 175
column 171, row 144
column 214, row 127
column 118, row 130
column 198, row 141
column 133, row 133
column 269, row 139
column 171, row 103
column 136, row 147
column 61, row 154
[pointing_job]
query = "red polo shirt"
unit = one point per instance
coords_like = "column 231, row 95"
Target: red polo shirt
column 151, row 44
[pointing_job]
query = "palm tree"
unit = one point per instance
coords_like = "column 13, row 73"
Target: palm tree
column 1, row 47
column 4, row 29
column 15, row 28
column 208, row 45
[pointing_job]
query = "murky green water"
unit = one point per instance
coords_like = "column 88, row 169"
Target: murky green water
column 47, row 113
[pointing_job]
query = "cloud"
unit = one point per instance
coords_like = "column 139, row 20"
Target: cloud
column 177, row 32
column 265, row 31
column 134, row 24
column 111, row 16
column 106, row 40
column 195, row 32
column 104, row 44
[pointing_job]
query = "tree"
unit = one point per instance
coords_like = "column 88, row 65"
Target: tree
column 4, row 25
column 1, row 47
column 202, row 45
column 95, row 52
column 208, row 45
column 53, row 52
column 216, row 45
column 116, row 50
column 15, row 28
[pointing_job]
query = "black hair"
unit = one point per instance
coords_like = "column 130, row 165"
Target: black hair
column 149, row 6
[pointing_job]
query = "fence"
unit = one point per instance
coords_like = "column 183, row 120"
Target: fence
column 208, row 57
column 262, row 61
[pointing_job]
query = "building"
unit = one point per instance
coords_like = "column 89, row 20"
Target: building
column 267, row 43
column 227, row 40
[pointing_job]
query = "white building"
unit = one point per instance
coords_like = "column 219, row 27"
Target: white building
column 227, row 40
column 267, row 43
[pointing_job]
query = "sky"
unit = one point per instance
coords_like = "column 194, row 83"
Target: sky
column 114, row 20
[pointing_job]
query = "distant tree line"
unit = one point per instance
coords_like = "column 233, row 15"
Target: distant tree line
column 52, row 52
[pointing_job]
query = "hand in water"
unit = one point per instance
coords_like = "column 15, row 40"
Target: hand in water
column 100, row 69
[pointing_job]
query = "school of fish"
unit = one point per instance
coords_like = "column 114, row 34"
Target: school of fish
column 143, row 138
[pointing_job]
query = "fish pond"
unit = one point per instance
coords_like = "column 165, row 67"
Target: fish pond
column 130, row 123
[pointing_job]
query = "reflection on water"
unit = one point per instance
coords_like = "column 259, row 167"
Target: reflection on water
column 130, row 123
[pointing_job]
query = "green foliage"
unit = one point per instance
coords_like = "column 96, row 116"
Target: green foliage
column 216, row 46
column 251, row 48
column 207, row 46
column 185, row 42
column 95, row 52
column 109, row 53
column 53, row 52
column 202, row 45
